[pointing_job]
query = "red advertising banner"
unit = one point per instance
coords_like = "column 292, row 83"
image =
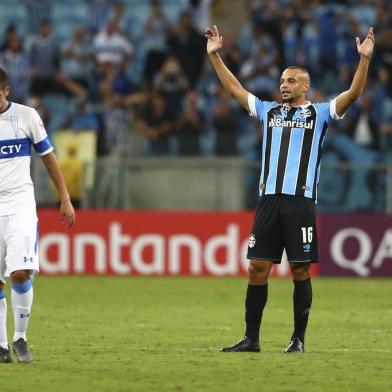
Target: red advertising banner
column 355, row 244
column 147, row 243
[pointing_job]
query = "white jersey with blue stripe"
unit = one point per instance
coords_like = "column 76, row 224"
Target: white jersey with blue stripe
column 292, row 144
column 20, row 128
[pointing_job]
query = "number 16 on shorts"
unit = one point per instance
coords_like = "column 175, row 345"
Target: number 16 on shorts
column 307, row 234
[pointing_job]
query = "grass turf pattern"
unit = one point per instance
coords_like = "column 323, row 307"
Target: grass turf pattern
column 163, row 334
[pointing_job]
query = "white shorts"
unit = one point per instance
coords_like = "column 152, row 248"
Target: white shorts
column 18, row 244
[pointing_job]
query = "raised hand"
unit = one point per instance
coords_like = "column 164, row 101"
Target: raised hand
column 215, row 41
column 366, row 47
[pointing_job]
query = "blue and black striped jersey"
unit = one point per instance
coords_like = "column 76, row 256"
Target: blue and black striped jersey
column 291, row 146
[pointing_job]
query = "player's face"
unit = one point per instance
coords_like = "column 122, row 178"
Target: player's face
column 294, row 85
column 4, row 91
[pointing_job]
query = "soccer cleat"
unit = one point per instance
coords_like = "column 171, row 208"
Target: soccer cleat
column 244, row 345
column 22, row 351
column 295, row 346
column 5, row 355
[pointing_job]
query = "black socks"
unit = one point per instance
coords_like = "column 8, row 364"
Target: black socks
column 302, row 300
column 256, row 298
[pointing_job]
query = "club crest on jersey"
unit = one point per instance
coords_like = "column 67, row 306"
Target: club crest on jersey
column 252, row 241
column 305, row 113
column 278, row 122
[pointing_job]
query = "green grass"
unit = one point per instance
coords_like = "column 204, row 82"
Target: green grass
column 162, row 334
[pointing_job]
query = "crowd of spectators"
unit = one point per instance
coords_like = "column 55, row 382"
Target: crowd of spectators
column 175, row 105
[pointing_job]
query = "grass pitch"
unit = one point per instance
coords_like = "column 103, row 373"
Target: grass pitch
column 163, row 334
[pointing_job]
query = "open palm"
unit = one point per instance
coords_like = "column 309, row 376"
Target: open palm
column 366, row 47
column 215, row 41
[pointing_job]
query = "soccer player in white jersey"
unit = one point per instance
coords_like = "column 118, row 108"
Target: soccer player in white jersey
column 21, row 128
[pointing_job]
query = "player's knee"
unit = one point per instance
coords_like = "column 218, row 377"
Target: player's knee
column 252, row 272
column 258, row 272
column 20, row 276
column 301, row 271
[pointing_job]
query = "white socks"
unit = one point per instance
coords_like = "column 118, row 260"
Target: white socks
column 3, row 323
column 21, row 300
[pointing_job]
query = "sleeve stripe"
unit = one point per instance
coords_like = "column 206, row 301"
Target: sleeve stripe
column 252, row 105
column 332, row 110
column 43, row 146
column 41, row 154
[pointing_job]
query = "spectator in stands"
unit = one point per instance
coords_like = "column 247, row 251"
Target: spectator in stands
column 72, row 168
column 254, row 40
column 111, row 79
column 172, row 84
column 44, row 60
column 269, row 16
column 16, row 63
column 124, row 22
column 187, row 45
column 225, row 118
column 383, row 56
column 384, row 15
column 155, row 124
column 83, row 119
column 37, row 11
column 259, row 72
column 9, row 34
column 200, row 11
column 99, row 11
column 190, row 125
column 231, row 55
column 386, row 130
column 116, row 122
column 327, row 26
column 77, row 57
column 156, row 29
column 110, row 46
column 362, row 121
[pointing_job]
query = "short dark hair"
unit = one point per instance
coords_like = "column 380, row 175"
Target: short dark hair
column 300, row 67
column 3, row 77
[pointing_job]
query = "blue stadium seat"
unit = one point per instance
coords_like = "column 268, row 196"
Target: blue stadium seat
column 66, row 12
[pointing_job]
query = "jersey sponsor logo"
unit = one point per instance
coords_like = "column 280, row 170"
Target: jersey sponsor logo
column 10, row 149
column 278, row 122
column 15, row 148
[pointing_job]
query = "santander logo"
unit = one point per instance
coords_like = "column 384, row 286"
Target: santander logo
column 120, row 253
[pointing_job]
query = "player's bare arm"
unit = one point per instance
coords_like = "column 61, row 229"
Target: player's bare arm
column 229, row 81
column 67, row 211
column 365, row 50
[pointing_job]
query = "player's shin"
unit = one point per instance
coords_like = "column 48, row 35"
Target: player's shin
column 21, row 299
column 3, row 320
column 256, row 298
column 302, row 301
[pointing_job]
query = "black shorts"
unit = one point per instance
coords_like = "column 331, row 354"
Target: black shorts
column 284, row 222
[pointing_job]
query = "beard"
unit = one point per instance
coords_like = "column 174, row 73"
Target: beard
column 287, row 100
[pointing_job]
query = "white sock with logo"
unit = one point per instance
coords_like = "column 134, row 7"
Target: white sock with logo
column 3, row 323
column 21, row 300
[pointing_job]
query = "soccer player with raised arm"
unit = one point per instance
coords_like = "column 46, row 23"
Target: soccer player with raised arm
column 293, row 134
column 20, row 128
